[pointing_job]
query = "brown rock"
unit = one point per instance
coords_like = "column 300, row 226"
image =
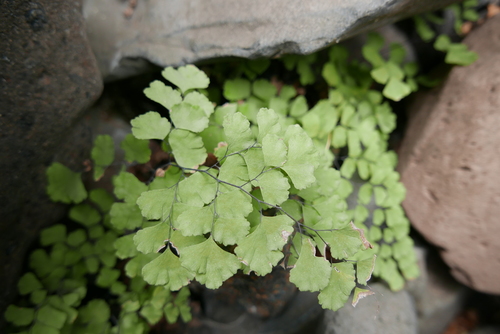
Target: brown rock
column 48, row 76
column 450, row 164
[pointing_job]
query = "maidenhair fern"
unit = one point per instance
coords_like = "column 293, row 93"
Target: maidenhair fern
column 246, row 186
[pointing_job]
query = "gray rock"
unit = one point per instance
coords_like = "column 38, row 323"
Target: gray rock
column 48, row 76
column 386, row 312
column 449, row 162
column 438, row 297
column 126, row 38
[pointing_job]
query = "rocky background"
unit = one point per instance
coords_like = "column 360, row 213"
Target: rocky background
column 55, row 57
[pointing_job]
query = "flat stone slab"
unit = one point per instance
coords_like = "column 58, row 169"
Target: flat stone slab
column 127, row 35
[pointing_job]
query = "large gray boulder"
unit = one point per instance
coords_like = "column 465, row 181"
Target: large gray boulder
column 48, row 76
column 450, row 163
column 128, row 35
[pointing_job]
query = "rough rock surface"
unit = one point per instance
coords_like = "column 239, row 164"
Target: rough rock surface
column 126, row 35
column 385, row 312
column 438, row 297
column 48, row 75
column 449, row 163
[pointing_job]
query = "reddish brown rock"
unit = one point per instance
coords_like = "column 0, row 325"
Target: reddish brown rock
column 450, row 164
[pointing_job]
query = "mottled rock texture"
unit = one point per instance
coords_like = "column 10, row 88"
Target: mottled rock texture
column 450, row 163
column 48, row 76
column 385, row 312
column 126, row 38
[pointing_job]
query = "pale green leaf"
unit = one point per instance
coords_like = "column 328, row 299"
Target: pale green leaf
column 156, row 204
column 339, row 138
column 360, row 294
column 380, row 74
column 233, row 202
column 375, row 233
column 254, row 160
column 380, row 195
column 348, row 168
column 125, row 216
column 423, row 29
column 162, row 94
column 125, row 246
column 390, row 273
column 201, row 101
column 342, row 281
column 135, row 149
column 342, row 243
column 152, row 239
column 274, row 150
column 167, row 270
column 195, row 221
column 378, row 217
column 150, row 126
column 84, row 214
column 133, row 268
column 310, row 273
column 237, row 89
column 263, row 89
column 298, row 106
column 311, row 123
column 386, row 119
column 198, row 189
column 187, row 147
column 458, row 54
column 238, row 134
column 331, row 75
column 364, row 269
column 274, row 187
column 388, row 235
column 261, row 250
column 348, row 112
column 302, row 157
column 442, row 43
column 360, row 214
column 269, row 123
column 230, row 229
column 365, row 193
column 278, row 104
column 189, row 117
column 396, row 89
column 102, row 154
column 186, row 77
column 287, row 92
column 234, row 171
column 179, row 241
column 64, row 185
column 211, row 264
column 128, row 187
